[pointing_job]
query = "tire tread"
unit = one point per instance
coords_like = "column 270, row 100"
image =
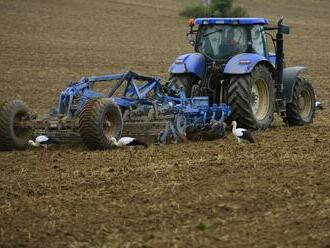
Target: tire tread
column 90, row 121
column 238, row 98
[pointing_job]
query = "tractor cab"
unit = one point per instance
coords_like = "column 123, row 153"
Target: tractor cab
column 219, row 39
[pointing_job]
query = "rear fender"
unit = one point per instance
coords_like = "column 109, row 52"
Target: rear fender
column 193, row 63
column 290, row 75
column 244, row 63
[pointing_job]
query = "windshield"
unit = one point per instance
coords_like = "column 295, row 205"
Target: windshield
column 221, row 42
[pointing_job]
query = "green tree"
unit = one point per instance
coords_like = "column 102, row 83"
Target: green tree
column 217, row 8
column 221, row 8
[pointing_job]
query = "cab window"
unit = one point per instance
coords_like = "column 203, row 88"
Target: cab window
column 258, row 40
column 221, row 42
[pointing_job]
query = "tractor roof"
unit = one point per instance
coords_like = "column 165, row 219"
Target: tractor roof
column 231, row 21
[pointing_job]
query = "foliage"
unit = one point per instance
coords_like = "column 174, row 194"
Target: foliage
column 194, row 11
column 217, row 8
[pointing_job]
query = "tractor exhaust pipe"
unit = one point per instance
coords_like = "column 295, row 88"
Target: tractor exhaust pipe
column 281, row 29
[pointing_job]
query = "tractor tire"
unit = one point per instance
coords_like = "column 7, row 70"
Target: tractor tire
column 252, row 98
column 185, row 81
column 13, row 137
column 301, row 110
column 99, row 121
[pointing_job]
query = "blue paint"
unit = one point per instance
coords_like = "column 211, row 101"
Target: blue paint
column 272, row 58
column 196, row 111
column 231, row 21
column 244, row 63
column 193, row 63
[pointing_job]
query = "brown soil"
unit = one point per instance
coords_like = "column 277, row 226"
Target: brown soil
column 275, row 193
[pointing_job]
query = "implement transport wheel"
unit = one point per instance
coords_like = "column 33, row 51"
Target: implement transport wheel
column 252, row 98
column 302, row 108
column 184, row 81
column 13, row 136
column 100, row 120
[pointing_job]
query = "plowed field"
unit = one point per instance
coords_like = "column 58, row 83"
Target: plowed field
column 274, row 193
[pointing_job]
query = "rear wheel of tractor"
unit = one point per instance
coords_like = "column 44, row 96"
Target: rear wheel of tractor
column 100, row 120
column 13, row 136
column 185, row 81
column 302, row 108
column 252, row 98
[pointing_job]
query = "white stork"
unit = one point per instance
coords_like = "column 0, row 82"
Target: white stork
column 241, row 134
column 43, row 141
column 128, row 142
column 318, row 105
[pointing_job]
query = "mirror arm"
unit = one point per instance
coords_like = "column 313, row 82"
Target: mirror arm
column 270, row 28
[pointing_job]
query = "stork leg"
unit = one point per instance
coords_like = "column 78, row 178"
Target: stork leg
column 43, row 155
column 45, row 152
column 130, row 154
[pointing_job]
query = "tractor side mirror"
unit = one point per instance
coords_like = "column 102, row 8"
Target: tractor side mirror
column 191, row 38
column 285, row 29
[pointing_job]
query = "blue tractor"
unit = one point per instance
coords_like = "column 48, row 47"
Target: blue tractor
column 232, row 65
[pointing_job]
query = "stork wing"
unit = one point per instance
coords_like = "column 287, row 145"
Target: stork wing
column 247, row 136
column 41, row 139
